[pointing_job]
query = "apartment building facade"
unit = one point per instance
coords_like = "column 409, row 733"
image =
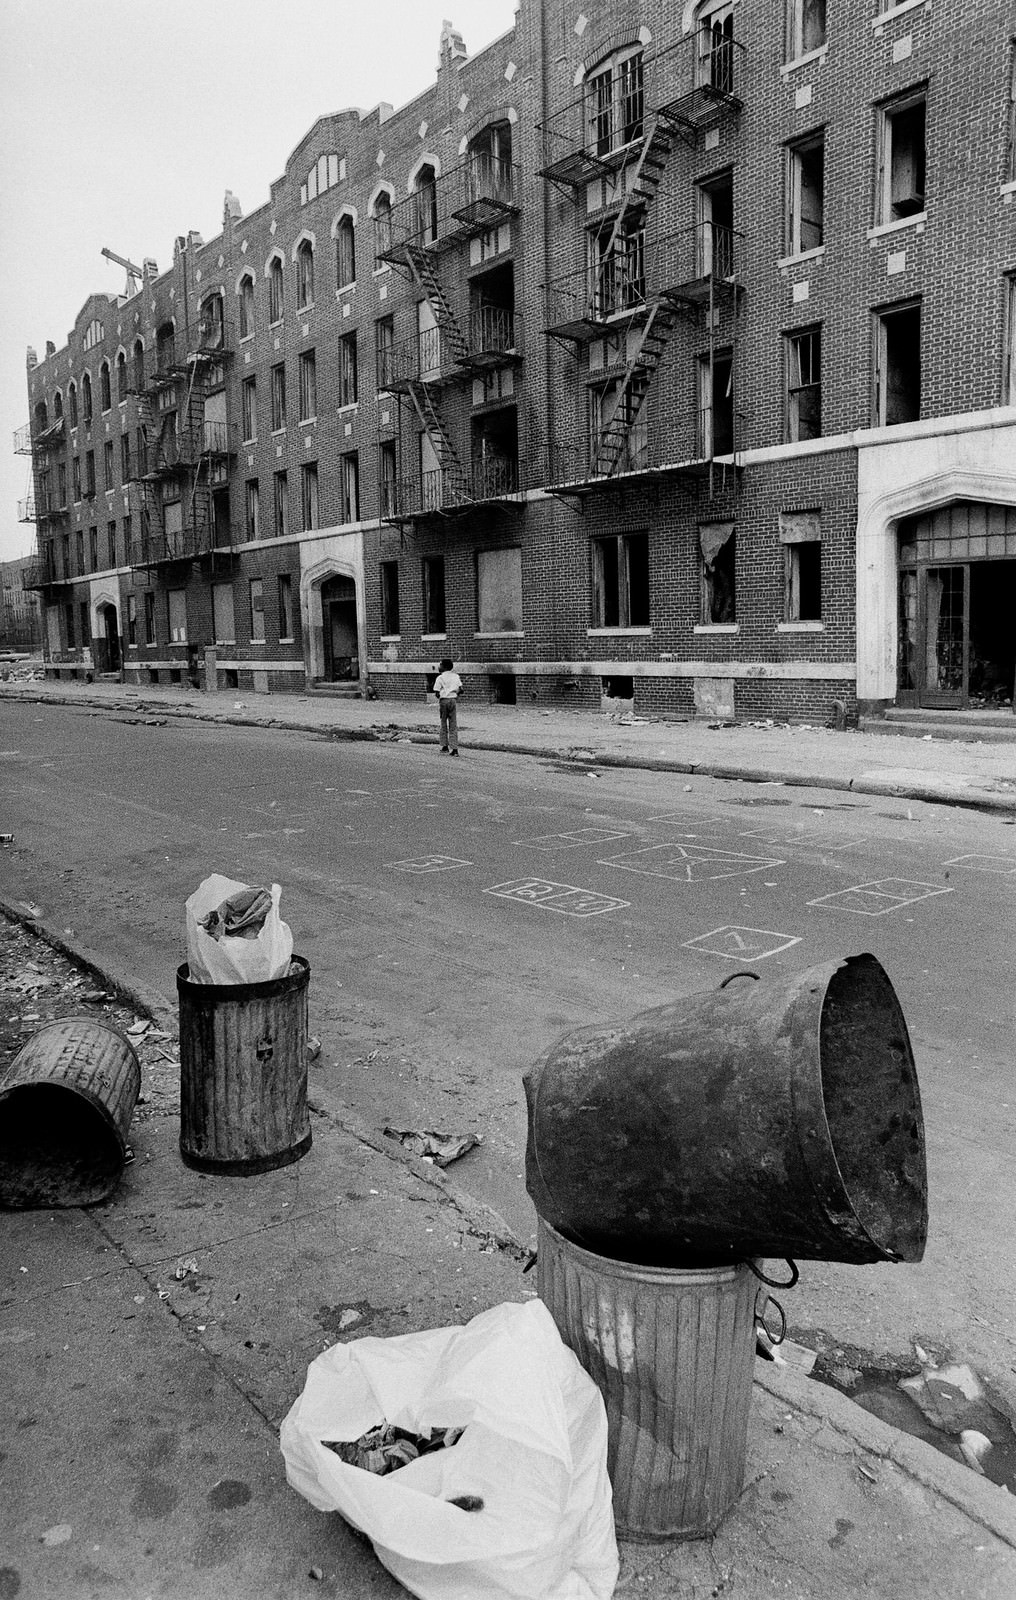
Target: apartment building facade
column 654, row 354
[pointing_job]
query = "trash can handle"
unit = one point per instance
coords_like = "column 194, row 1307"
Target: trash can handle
column 774, row 1283
column 730, row 978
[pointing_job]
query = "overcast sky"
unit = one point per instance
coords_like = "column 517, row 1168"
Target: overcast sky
column 123, row 123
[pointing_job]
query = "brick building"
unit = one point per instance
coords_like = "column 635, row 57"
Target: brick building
column 653, row 353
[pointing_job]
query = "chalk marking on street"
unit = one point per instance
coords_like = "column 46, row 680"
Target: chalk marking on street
column 741, row 944
column 562, row 897
column 879, row 889
column 683, row 819
column 575, row 837
column 690, row 863
column 1001, row 864
column 428, row 864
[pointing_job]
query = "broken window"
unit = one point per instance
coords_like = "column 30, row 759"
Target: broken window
column 280, row 503
column 425, row 205
column 806, row 195
column 121, row 376
column 307, row 376
column 275, row 292
column 349, row 487
column 249, row 408
column 223, row 624
column 72, row 405
column 806, row 27
column 898, row 366
column 150, row 616
column 801, row 538
column 1009, row 356
column 901, row 176
column 345, row 252
column 499, row 590
column 176, row 601
column 382, row 227
column 390, row 599
column 348, row 379
column 621, row 581
column 804, row 384
column 246, row 306
column 305, row 275
column 253, row 514
column 716, row 231
column 618, row 266
column 715, row 64
column 718, row 554
column 384, row 344
column 716, row 404
column 388, row 481
column 309, row 494
column 615, row 101
column 619, row 431
column 490, row 163
column 278, row 397
column 257, row 611
column 433, row 585
column 86, row 398
column 285, row 607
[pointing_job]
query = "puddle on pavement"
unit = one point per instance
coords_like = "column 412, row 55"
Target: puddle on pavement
column 878, row 1391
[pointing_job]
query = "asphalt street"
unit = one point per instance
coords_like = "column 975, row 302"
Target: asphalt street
column 459, row 915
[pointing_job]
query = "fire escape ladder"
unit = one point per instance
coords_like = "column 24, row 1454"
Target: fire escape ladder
column 455, row 481
column 642, row 365
column 645, row 170
column 427, row 280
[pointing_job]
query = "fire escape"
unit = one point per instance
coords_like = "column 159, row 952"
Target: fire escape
column 418, row 238
column 47, row 506
column 610, row 149
column 181, row 453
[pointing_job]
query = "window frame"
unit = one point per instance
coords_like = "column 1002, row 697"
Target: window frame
column 349, row 370
column 306, row 374
column 252, row 509
column 278, row 397
column 280, row 503
column 304, row 275
column 798, row 153
column 433, row 598
column 882, row 316
column 246, row 306
column 389, row 599
column 256, row 590
column 286, row 610
column 887, row 210
column 708, row 595
column 797, row 22
column 611, row 563
column 802, row 378
column 310, row 516
column 345, row 252
column 276, row 291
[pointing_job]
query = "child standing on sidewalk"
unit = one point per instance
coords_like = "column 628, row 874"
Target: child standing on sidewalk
column 447, row 688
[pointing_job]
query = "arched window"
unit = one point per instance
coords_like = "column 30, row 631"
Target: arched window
column 382, row 226
column 425, row 190
column 211, row 323
column 615, row 103
column 139, row 365
column 165, row 346
column 86, row 398
column 41, row 416
column 72, row 404
column 246, row 305
column 105, row 392
column 715, row 23
column 490, row 163
column 121, row 376
column 275, row 301
column 305, row 274
column 345, row 252
column 57, row 406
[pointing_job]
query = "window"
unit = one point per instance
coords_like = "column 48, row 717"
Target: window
column 94, row 334
column 388, row 478
column 69, row 624
column 715, row 252
column 121, row 377
column 150, row 637
column 309, row 494
column 806, row 195
column 901, row 160
column 107, row 464
column 79, row 542
column 390, row 599
column 615, row 102
column 716, row 404
column 715, row 60
column 275, row 300
column 305, row 274
column 61, row 484
column 66, row 543
column 132, row 619
column 76, row 478
column 490, row 163
column 93, row 549
column 433, row 580
column 252, row 501
column 176, row 600
column 348, row 384
column 1009, row 171
column 249, row 409
column 801, row 538
column 246, row 306
column 278, row 397
column 804, row 385
column 257, row 611
column 328, row 170
column 285, row 607
column 223, row 623
column 345, row 252
column 897, row 366
column 111, row 544
column 89, row 474
column 617, row 265
column 425, row 205
column 86, row 624
column 138, row 374
column 806, row 27
column 382, row 227
column 618, row 433
column 349, row 487
column 499, row 590
column 280, row 503
column 621, row 581
column 384, row 345
column 72, row 405
column 125, row 458
column 105, row 392
column 86, row 398
column 718, row 555
column 1009, row 356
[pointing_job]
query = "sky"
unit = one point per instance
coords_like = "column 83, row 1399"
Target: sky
column 124, row 122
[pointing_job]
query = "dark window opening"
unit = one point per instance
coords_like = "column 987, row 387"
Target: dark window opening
column 433, row 578
column 718, row 550
column 495, row 454
column 898, row 377
column 502, row 688
column 390, row 598
column 621, row 581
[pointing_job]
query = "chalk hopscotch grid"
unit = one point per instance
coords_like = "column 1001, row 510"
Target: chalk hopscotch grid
column 740, row 948
column 880, row 889
column 695, row 863
column 562, row 897
column 428, row 864
column 1000, row 864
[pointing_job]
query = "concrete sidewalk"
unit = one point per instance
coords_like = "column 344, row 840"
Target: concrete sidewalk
column 944, row 771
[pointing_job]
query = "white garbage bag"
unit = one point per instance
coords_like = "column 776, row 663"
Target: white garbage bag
column 534, row 1451
column 226, row 958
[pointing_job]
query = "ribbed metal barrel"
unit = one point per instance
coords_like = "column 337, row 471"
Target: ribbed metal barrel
column 243, row 1072
column 66, row 1102
column 673, row 1355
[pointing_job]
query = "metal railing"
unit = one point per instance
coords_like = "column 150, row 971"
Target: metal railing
column 684, row 265
column 688, row 444
column 444, row 489
column 467, row 199
column 23, row 440
column 27, row 510
column 492, row 331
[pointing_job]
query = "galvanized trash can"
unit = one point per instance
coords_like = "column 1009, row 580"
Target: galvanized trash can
column 673, row 1353
column 756, row 1120
column 243, row 1072
column 66, row 1102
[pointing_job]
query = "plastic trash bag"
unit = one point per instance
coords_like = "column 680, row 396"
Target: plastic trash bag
column 534, row 1450
column 235, row 957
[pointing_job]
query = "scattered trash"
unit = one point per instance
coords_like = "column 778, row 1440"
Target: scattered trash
column 387, row 1448
column 866, row 1472
column 184, row 1268
column 33, row 910
column 975, row 1447
column 536, row 1459
column 439, row 1148
column 313, row 1047
column 239, row 705
column 59, row 1534
column 316, row 1573
column 6, row 838
column 235, row 934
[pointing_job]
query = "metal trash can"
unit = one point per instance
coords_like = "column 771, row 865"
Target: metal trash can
column 757, row 1120
column 673, row 1353
column 66, row 1102
column 243, row 1072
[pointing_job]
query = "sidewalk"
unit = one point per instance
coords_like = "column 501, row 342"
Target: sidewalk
column 150, row 1346
column 943, row 771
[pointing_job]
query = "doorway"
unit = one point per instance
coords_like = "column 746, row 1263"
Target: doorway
column 957, row 640
column 107, row 641
column 338, row 620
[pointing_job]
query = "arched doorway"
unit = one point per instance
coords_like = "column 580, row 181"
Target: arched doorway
column 957, row 600
column 106, row 643
column 339, row 631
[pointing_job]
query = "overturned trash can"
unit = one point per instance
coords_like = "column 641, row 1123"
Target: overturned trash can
column 66, row 1103
column 243, row 1072
column 666, row 1155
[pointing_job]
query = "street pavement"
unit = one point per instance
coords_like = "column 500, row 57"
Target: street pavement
column 151, row 1345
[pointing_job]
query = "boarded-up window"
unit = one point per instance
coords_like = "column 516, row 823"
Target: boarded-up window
column 177, row 616
column 499, row 590
column 222, row 613
column 801, row 538
column 718, row 549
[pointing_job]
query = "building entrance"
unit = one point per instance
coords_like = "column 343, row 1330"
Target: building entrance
column 338, row 618
column 107, row 644
column 957, row 597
